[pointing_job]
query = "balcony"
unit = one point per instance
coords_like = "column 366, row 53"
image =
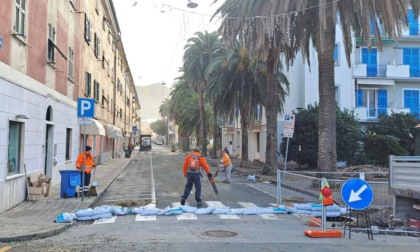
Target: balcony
column 384, row 71
column 372, row 114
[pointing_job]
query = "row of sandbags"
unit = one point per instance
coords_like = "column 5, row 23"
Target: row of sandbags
column 316, row 209
column 109, row 211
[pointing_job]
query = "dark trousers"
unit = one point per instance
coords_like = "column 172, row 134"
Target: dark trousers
column 193, row 178
column 84, row 188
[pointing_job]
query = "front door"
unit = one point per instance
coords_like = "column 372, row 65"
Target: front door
column 49, row 150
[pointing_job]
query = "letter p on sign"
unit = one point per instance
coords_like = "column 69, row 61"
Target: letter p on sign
column 85, row 107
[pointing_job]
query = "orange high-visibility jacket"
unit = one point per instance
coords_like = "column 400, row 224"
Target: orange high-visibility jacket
column 89, row 162
column 226, row 160
column 201, row 159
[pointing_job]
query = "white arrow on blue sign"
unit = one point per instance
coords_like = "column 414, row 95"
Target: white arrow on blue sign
column 357, row 194
column 85, row 107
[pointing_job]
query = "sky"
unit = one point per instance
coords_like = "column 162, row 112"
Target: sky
column 154, row 33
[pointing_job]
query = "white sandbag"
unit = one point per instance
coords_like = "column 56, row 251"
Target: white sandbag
column 102, row 216
column 316, row 213
column 119, row 211
column 64, row 218
column 101, row 210
column 150, row 211
column 333, row 214
column 343, row 210
column 303, row 206
column 251, row 177
column 206, row 210
column 85, row 218
column 84, row 212
column 174, row 211
column 236, row 211
column 316, row 207
column 188, row 209
column 221, row 210
column 333, row 208
column 267, row 210
column 303, row 212
column 251, row 211
column 136, row 210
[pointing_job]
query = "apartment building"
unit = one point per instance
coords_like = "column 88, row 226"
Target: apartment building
column 377, row 82
column 45, row 55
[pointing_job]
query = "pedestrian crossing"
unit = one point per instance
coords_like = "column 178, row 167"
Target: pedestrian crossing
column 192, row 216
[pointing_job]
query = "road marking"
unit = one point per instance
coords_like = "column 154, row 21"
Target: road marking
column 105, row 220
column 153, row 181
column 184, row 216
column 145, row 218
column 218, row 204
column 264, row 216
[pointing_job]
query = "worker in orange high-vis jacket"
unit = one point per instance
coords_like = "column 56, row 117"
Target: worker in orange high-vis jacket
column 192, row 164
column 89, row 166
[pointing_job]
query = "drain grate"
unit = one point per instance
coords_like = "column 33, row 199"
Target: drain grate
column 220, row 233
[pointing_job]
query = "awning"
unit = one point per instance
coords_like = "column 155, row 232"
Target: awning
column 95, row 129
column 113, row 131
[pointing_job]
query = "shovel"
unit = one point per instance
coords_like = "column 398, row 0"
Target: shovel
column 92, row 189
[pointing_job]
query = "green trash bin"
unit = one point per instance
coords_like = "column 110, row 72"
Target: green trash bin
column 127, row 153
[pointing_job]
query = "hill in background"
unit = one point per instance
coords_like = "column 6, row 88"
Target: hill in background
column 151, row 98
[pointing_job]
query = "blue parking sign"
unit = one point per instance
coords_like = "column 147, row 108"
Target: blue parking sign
column 1, row 41
column 85, row 107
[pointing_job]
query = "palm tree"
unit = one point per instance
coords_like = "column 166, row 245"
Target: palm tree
column 199, row 52
column 239, row 82
column 289, row 26
column 183, row 110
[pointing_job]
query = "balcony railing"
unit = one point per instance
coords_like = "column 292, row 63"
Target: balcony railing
column 372, row 114
column 385, row 71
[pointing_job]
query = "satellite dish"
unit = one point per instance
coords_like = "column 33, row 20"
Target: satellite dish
column 191, row 4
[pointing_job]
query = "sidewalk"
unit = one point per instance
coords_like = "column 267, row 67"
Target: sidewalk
column 34, row 220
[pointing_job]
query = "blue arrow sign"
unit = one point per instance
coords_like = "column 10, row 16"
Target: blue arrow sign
column 357, row 194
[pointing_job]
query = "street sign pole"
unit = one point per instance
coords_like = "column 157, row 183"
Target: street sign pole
column 278, row 187
column 83, row 164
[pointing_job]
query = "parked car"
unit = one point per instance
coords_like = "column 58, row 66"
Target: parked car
column 159, row 142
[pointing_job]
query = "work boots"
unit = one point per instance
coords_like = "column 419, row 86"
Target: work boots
column 182, row 202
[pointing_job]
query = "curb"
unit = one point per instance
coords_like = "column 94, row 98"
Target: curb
column 41, row 235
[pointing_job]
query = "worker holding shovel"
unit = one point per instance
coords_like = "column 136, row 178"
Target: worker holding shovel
column 87, row 158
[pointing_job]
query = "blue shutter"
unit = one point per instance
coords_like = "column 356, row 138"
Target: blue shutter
column 411, row 101
column 382, row 101
column 359, row 98
column 369, row 57
column 336, row 52
column 413, row 23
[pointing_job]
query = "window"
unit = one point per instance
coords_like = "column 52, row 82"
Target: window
column 97, row 6
column 336, row 55
column 68, row 143
column 15, row 143
column 413, row 23
column 411, row 101
column 88, row 87
column 51, row 43
column 96, row 91
column 369, row 57
column 120, row 113
column 257, row 113
column 88, row 30
column 97, row 44
column 376, row 101
column 258, row 141
column 71, row 63
column 20, row 18
column 411, row 57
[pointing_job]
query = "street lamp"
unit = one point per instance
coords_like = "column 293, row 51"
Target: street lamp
column 191, row 4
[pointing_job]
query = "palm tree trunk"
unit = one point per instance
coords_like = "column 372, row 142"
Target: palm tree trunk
column 202, row 123
column 215, row 135
column 271, row 107
column 327, row 152
column 245, row 131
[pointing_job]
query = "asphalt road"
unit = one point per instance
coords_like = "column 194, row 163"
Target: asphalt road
column 156, row 177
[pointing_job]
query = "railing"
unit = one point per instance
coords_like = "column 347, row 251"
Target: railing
column 363, row 113
column 305, row 187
